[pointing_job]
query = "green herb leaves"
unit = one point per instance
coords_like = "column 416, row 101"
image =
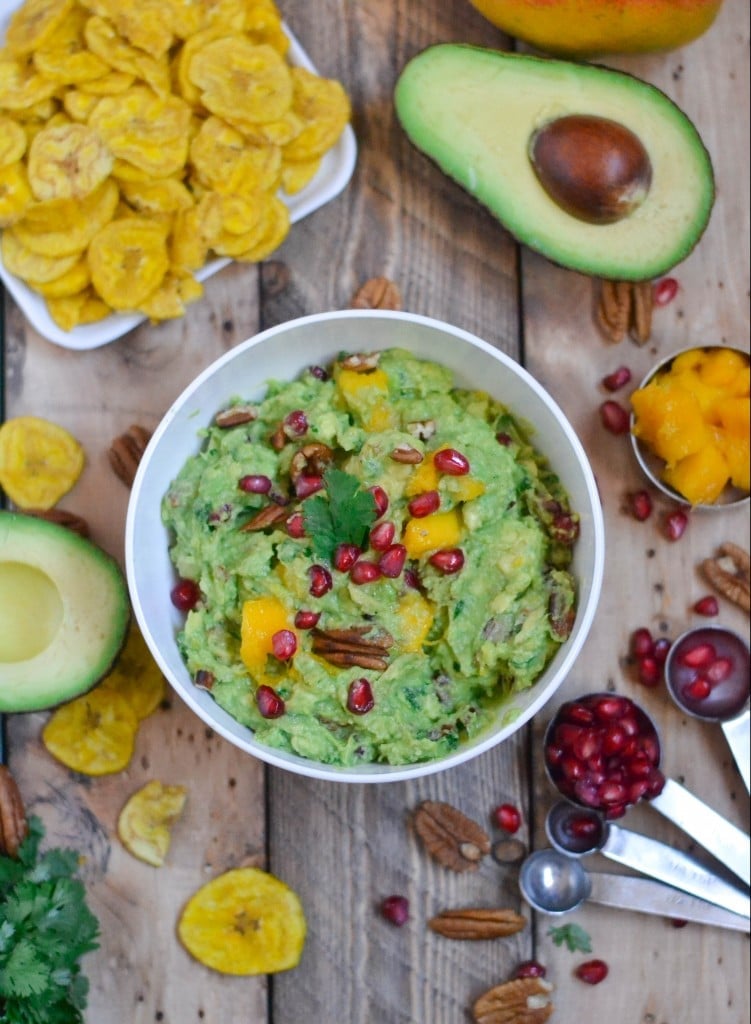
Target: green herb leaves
column 45, row 928
column 573, row 936
column 344, row 516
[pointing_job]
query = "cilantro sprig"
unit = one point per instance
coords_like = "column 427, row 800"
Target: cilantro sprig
column 45, row 929
column 573, row 936
column 342, row 516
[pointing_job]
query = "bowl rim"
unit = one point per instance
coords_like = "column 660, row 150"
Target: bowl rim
column 375, row 773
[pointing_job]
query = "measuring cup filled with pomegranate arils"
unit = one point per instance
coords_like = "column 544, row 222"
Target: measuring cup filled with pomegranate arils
column 602, row 752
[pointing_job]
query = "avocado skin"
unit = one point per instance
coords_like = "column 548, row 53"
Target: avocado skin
column 65, row 669
column 456, row 103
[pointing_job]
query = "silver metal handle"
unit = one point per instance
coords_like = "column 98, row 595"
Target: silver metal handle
column 648, row 897
column 716, row 834
column 737, row 734
column 673, row 867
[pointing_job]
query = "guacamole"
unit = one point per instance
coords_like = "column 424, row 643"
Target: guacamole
column 378, row 559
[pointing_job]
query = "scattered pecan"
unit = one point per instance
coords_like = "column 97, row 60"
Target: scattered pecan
column 406, row 454
column 449, row 836
column 278, row 439
column 640, row 326
column 13, row 824
column 126, row 452
column 477, row 923
column 422, row 429
column 58, row 515
column 361, row 362
column 268, row 516
column 235, row 416
column 377, row 293
column 520, row 1001
column 625, row 307
column 347, row 647
column 310, row 460
column 730, row 574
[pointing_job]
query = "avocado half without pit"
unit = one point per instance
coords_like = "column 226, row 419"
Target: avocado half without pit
column 595, row 169
column 64, row 613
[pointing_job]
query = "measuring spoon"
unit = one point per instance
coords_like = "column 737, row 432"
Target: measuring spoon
column 553, row 883
column 708, row 676
column 602, row 751
column 578, row 833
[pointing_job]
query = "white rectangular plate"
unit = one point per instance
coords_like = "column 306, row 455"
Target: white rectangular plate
column 334, row 174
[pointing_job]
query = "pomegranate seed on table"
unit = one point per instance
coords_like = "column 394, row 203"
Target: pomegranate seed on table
column 396, row 910
column 508, row 818
column 345, row 556
column 708, row 606
column 283, row 644
column 364, row 572
column 665, row 291
column 296, row 525
column 699, row 656
column 320, row 580
column 185, row 595
column 381, row 500
column 448, row 561
column 699, row 689
column 307, row 485
column 617, row 379
column 649, row 671
column 382, row 536
column 360, row 698
column 451, row 462
column 675, row 524
column 424, row 504
column 640, row 504
column 530, row 969
column 307, row 620
column 661, row 647
column 295, row 423
column 392, row 561
column 614, row 417
column 592, row 972
column 254, row 484
column 270, row 704
column 642, row 644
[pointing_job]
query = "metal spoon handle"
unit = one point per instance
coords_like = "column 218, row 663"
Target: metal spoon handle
column 648, row 897
column 673, row 867
column 737, row 734
column 716, row 834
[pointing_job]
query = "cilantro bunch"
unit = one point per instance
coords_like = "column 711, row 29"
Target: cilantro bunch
column 45, row 928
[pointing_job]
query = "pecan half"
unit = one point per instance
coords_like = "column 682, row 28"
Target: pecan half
column 477, row 923
column 361, row 362
column 450, row 837
column 625, row 308
column 406, row 454
column 422, row 429
column 310, row 460
column 730, row 574
column 640, row 325
column 270, row 515
column 13, row 824
column 377, row 293
column 235, row 416
column 204, row 680
column 126, row 452
column 347, row 647
column 58, row 515
column 520, row 1001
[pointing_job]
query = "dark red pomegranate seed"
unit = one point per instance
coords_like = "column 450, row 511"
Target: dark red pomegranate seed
column 360, row 697
column 582, row 826
column 450, row 461
column 318, row 372
column 642, row 644
column 284, row 644
column 396, row 910
column 608, row 708
column 392, row 561
column 345, row 556
column 617, row 379
column 592, row 971
column 185, row 595
column 270, row 704
column 255, row 484
column 699, row 689
column 640, row 504
column 296, row 525
column 614, row 417
column 530, row 969
column 564, row 528
column 306, row 619
column 307, row 485
column 661, row 648
column 295, row 423
column 719, row 670
column 381, row 500
column 665, row 291
column 411, row 579
column 707, row 605
column 678, row 922
column 382, row 536
column 508, row 818
column 364, row 572
column 614, row 740
column 699, row 656
column 650, row 671
column 579, row 715
column 675, row 525
column 448, row 561
column 504, row 439
column 320, row 580
column 613, row 793
column 424, row 504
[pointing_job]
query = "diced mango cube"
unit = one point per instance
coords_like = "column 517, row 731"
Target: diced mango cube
column 441, row 530
column 737, row 455
column 415, row 620
column 465, row 488
column 669, row 419
column 423, row 478
column 261, row 618
column 700, row 477
column 734, row 414
column 722, row 367
column 366, row 394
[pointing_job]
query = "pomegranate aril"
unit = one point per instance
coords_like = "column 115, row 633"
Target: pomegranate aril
column 306, row 619
column 284, row 644
column 508, row 817
column 295, row 423
column 655, row 783
column 612, row 792
column 617, row 379
column 411, row 579
column 640, row 504
column 320, row 580
column 579, row 715
column 504, row 439
column 360, row 698
column 424, row 504
column 699, row 656
column 707, row 606
column 636, row 790
column 448, row 561
column 392, row 561
column 270, row 704
column 530, row 969
column 661, row 648
column 582, row 826
column 699, row 689
column 345, row 556
column 665, row 291
column 364, row 572
column 572, row 768
column 608, row 708
column 307, row 485
column 382, row 536
column 396, row 910
column 642, row 644
column 296, row 525
column 254, row 484
column 318, row 372
column 614, row 417
column 675, row 525
column 450, row 461
column 639, row 766
column 587, row 745
column 614, row 740
column 719, row 670
column 587, row 792
column 185, row 595
column 592, row 972
column 650, row 671
column 564, row 528
column 381, row 500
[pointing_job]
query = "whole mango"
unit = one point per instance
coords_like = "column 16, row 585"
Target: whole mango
column 581, row 28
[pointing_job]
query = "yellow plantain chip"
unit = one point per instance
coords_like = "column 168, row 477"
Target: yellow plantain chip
column 12, row 141
column 39, row 461
column 75, row 310
column 78, row 104
column 68, row 161
column 145, row 821
column 295, row 176
column 145, row 25
column 94, row 734
column 244, row 922
column 170, row 298
column 324, row 107
column 15, row 194
column 34, row 22
column 111, row 84
column 59, row 227
column 30, row 266
column 21, row 85
column 277, row 229
column 159, row 195
column 243, row 83
column 145, row 129
column 263, row 24
column 70, row 283
column 103, row 40
column 65, row 57
column 136, row 676
column 128, row 259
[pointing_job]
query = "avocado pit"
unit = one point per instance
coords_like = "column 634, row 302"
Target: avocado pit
column 594, row 168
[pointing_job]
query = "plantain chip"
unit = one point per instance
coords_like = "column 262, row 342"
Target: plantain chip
column 71, row 311
column 15, row 194
column 65, row 57
column 34, row 22
column 128, row 259
column 39, row 461
column 68, row 161
column 244, row 922
column 94, row 734
column 145, row 821
column 136, row 676
column 12, row 141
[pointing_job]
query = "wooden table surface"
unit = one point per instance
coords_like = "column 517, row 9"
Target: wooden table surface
column 342, row 847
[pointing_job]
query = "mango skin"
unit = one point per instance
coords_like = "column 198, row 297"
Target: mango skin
column 587, row 28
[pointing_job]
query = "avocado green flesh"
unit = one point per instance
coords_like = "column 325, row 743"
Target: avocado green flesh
column 474, row 111
column 64, row 612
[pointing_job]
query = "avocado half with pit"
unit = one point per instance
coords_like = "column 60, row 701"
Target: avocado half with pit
column 64, row 613
column 595, row 169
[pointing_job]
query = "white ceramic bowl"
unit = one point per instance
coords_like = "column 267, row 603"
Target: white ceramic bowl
column 282, row 353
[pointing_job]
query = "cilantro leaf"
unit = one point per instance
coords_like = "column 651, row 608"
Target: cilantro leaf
column 573, row 935
column 343, row 516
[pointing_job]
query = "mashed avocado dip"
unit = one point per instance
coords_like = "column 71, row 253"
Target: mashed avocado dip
column 382, row 561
